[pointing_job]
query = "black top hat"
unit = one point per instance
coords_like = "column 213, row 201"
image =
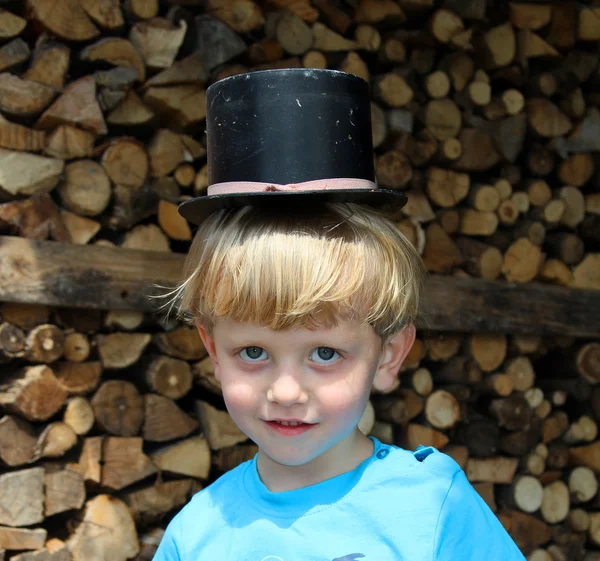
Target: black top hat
column 276, row 128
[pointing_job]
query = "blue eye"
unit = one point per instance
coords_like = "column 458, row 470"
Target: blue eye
column 325, row 354
column 253, row 353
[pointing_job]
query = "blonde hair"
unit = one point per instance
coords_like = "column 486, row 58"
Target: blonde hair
column 300, row 268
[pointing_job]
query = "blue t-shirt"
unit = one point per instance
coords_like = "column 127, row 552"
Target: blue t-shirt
column 396, row 505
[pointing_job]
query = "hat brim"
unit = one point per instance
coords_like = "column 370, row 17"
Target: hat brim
column 199, row 208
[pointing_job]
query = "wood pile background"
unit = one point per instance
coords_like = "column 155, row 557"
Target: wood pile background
column 485, row 112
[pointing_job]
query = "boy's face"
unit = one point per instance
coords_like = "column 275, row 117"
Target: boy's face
column 321, row 378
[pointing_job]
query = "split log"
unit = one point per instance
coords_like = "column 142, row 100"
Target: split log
column 34, row 393
column 120, row 350
column 477, row 223
column 585, row 275
column 123, row 462
column 67, row 143
column 69, row 20
column 481, row 260
column 55, row 440
column 22, row 497
column 17, row 441
column 118, row 542
column 512, row 413
column 76, row 347
column 64, row 489
column 418, row 435
column 149, row 238
column 492, row 470
column 191, row 457
column 17, row 137
column 149, row 504
column 117, row 51
column 21, row 538
column 185, row 105
column 489, row 351
column 78, row 378
column 173, row 224
column 218, row 427
column 26, row 174
column 90, row 459
column 583, row 484
column 442, row 347
column 183, row 343
column 447, row 188
column 443, row 118
column 522, row 261
column 164, row 420
column 546, row 119
column 79, row 415
column 158, row 41
column 440, row 254
column 118, row 408
column 126, row 162
column 23, row 98
column 12, row 341
column 11, row 25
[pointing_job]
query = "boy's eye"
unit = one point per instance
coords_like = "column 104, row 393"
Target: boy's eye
column 253, row 354
column 325, row 354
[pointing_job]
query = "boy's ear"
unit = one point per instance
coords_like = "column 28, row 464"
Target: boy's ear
column 209, row 344
column 394, row 352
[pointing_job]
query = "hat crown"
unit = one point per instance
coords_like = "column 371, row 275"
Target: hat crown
column 289, row 126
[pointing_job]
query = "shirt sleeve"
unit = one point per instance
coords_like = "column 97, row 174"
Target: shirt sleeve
column 468, row 530
column 167, row 550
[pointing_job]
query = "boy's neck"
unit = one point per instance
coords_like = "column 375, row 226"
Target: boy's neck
column 341, row 458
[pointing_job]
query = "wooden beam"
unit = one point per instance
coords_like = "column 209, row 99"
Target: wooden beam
column 59, row 274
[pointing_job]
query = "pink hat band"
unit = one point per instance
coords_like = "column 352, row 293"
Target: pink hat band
column 332, row 184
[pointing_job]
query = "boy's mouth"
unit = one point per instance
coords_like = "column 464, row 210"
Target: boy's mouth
column 289, row 423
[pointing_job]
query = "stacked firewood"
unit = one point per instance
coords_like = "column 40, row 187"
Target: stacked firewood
column 484, row 112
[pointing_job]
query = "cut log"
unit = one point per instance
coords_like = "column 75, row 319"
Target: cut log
column 69, row 20
column 492, row 470
column 478, row 223
column 64, row 487
column 554, row 426
column 126, row 162
column 76, row 347
column 587, row 362
column 118, row 408
column 158, row 41
column 21, row 538
column 375, row 11
column 34, row 393
column 27, row 174
column 530, row 16
column 484, row 197
column 577, row 170
column 422, row 381
column 496, row 384
column 76, row 106
column 445, row 25
column 119, row 52
column 168, row 377
column 78, row 378
column 500, row 45
column 588, row 28
column 556, row 502
column 22, row 497
column 79, row 415
column 489, row 351
column 418, row 435
column 392, row 90
column 442, row 410
column 17, row 441
column 149, row 504
column 124, row 463
column 481, row 260
column 393, row 170
column 527, row 493
column 142, row 9
column 512, row 413
column 522, row 261
column 521, row 372
column 583, row 484
column 443, row 346
column 120, row 350
column 25, row 316
column 546, row 119
column 478, row 151
column 12, row 341
column 149, row 238
column 191, row 457
column 118, row 541
column 219, row 428
column 183, row 343
column 174, row 225
column 540, row 161
column 446, row 188
column 443, row 118
column 574, row 212
column 124, row 319
column 86, row 189
column 55, row 440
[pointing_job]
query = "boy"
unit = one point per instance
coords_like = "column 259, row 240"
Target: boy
column 304, row 293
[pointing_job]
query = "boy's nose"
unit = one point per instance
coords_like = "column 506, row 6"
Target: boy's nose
column 286, row 391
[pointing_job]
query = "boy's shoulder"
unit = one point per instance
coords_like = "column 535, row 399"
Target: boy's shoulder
column 424, row 462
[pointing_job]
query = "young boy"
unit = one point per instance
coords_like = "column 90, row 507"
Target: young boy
column 304, row 293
